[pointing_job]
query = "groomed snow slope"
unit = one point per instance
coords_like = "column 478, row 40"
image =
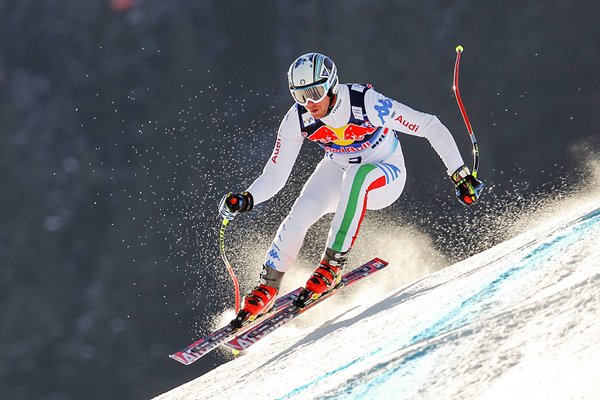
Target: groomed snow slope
column 518, row 321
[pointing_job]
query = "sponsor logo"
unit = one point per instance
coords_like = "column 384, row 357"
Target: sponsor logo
column 358, row 88
column 187, row 357
column 276, row 150
column 383, row 108
column 342, row 136
column 274, row 255
column 199, row 350
column 357, row 112
column 246, row 340
column 307, row 119
column 324, row 135
column 337, row 104
column 381, row 137
column 408, row 124
column 350, row 149
column 242, row 344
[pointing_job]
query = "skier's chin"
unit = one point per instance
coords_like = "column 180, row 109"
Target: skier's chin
column 317, row 114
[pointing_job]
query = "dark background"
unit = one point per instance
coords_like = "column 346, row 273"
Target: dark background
column 122, row 122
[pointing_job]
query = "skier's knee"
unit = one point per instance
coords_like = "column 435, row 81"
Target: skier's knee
column 305, row 211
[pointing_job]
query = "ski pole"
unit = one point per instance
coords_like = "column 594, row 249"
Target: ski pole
column 463, row 111
column 236, row 285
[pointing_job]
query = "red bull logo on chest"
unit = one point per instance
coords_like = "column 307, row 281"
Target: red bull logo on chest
column 342, row 136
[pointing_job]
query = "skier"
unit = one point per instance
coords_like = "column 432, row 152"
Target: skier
column 363, row 168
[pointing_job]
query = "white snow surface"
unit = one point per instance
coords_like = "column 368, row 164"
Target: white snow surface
column 518, row 321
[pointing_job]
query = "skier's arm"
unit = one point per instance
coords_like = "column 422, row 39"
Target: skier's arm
column 282, row 159
column 391, row 114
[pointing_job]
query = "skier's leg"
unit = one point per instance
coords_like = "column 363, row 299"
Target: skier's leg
column 320, row 195
column 386, row 195
column 367, row 186
column 316, row 199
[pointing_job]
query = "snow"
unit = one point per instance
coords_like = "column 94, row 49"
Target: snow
column 518, row 321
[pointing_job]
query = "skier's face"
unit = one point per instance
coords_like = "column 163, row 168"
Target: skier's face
column 318, row 110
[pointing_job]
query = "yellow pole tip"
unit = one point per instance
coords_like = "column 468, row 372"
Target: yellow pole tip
column 235, row 352
column 459, row 49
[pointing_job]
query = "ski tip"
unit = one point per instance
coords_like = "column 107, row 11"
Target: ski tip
column 177, row 357
column 459, row 49
column 183, row 357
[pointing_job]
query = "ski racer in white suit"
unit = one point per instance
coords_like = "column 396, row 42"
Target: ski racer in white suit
column 363, row 168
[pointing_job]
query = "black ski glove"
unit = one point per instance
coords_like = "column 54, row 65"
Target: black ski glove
column 234, row 203
column 467, row 187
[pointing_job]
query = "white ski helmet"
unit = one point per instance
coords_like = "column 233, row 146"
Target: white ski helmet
column 312, row 76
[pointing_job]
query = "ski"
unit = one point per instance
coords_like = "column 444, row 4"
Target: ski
column 270, row 323
column 214, row 339
column 283, row 311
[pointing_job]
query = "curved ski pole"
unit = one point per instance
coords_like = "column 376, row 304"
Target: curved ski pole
column 463, row 111
column 236, row 285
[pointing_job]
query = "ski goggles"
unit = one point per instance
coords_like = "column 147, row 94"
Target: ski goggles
column 314, row 93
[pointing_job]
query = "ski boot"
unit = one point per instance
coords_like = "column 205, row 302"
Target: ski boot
column 325, row 277
column 261, row 299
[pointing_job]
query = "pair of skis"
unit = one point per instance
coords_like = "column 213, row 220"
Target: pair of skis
column 284, row 311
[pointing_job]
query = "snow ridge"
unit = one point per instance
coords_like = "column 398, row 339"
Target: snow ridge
column 520, row 320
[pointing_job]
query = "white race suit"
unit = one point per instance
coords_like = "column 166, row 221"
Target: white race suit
column 363, row 167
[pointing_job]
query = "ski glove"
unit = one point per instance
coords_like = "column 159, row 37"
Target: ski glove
column 234, row 203
column 468, row 188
